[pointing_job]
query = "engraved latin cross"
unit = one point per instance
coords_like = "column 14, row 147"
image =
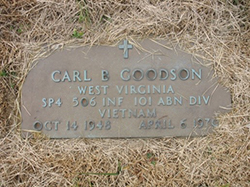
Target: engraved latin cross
column 125, row 46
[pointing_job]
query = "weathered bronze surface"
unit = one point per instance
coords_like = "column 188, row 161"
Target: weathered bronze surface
column 121, row 91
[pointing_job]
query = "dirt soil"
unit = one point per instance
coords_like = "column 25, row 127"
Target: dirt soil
column 219, row 29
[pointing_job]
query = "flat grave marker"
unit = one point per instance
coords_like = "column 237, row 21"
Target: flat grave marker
column 121, row 92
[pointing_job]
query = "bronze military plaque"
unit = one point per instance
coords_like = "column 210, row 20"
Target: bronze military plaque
column 138, row 89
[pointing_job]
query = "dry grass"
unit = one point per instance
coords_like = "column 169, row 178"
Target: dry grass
column 218, row 29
